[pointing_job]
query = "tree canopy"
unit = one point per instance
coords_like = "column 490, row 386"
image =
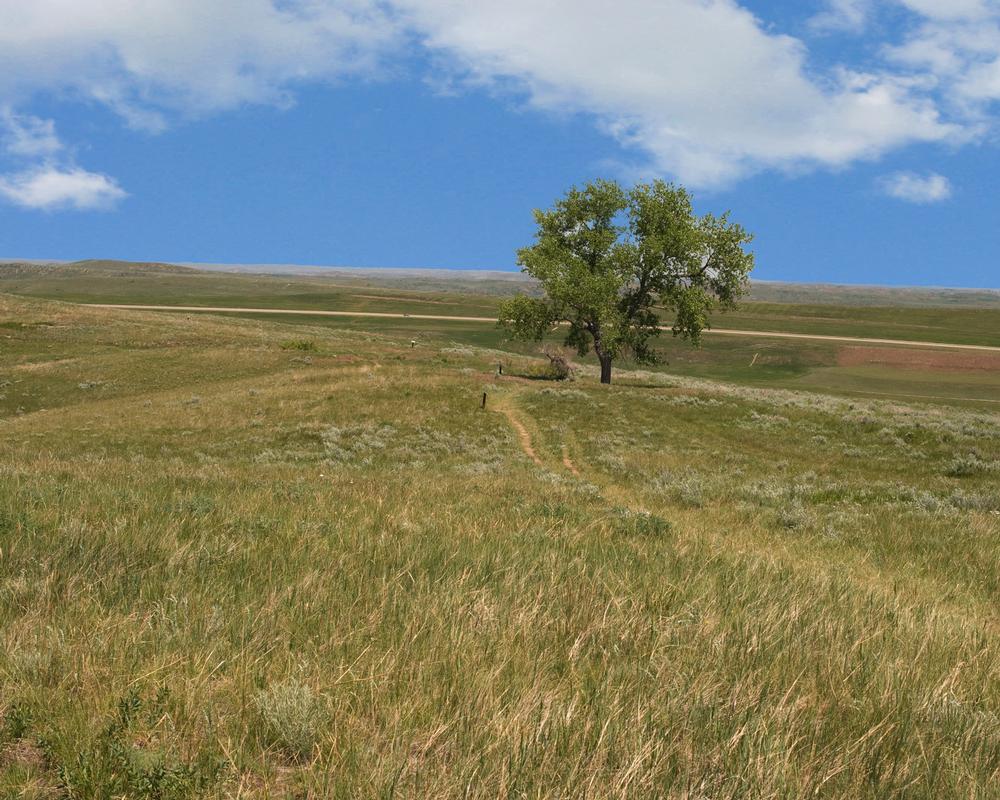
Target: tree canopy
column 611, row 261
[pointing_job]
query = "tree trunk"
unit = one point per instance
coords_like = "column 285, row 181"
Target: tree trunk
column 604, row 358
column 605, row 369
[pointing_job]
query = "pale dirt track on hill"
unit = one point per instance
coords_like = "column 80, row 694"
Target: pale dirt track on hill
column 523, row 437
column 444, row 318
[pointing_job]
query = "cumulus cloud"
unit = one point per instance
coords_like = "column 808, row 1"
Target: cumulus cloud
column 46, row 177
column 698, row 85
column 700, row 90
column 51, row 188
column 190, row 56
column 157, row 60
column 913, row 188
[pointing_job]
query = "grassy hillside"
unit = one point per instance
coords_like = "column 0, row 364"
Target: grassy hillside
column 256, row 559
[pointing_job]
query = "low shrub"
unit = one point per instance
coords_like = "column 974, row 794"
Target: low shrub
column 968, row 465
column 305, row 345
column 294, row 716
column 639, row 523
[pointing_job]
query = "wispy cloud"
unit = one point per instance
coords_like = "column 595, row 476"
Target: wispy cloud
column 842, row 15
column 914, row 188
column 28, row 136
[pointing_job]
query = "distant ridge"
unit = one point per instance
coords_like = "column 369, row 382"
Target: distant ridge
column 507, row 281
column 870, row 295
column 403, row 272
column 103, row 266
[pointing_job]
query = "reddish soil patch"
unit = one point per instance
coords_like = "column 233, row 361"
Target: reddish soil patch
column 912, row 358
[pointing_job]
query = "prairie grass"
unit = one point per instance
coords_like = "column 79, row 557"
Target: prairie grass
column 342, row 578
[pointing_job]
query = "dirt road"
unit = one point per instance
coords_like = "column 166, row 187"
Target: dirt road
column 441, row 317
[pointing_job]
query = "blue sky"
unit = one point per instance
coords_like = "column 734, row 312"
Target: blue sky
column 856, row 138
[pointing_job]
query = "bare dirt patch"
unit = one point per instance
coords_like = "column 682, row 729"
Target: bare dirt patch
column 912, row 358
column 36, row 366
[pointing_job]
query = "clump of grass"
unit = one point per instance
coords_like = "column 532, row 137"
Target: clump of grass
column 968, row 465
column 630, row 522
column 294, row 717
column 571, row 394
column 16, row 722
column 793, row 516
column 348, row 443
column 302, row 345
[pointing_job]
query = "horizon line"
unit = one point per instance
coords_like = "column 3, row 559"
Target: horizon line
column 262, row 266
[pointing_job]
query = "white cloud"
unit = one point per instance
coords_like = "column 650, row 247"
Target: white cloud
column 699, row 85
column 51, row 188
column 842, row 15
column 952, row 9
column 193, row 56
column 913, row 188
column 958, row 45
column 48, row 179
column 25, row 135
column 701, row 90
column 154, row 60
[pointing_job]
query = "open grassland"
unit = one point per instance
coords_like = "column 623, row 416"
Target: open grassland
column 255, row 559
column 824, row 312
column 840, row 368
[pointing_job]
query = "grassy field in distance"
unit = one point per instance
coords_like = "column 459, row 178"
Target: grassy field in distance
column 270, row 558
column 841, row 368
column 449, row 293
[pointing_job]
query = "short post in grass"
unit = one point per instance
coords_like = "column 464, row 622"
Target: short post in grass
column 499, row 368
column 482, row 405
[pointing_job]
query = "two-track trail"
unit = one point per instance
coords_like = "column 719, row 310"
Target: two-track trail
column 523, row 437
column 568, row 462
column 508, row 407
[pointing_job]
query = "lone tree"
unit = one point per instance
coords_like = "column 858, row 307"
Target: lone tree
column 610, row 261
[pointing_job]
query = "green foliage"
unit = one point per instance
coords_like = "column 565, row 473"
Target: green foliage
column 16, row 722
column 305, row 345
column 119, row 762
column 610, row 261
